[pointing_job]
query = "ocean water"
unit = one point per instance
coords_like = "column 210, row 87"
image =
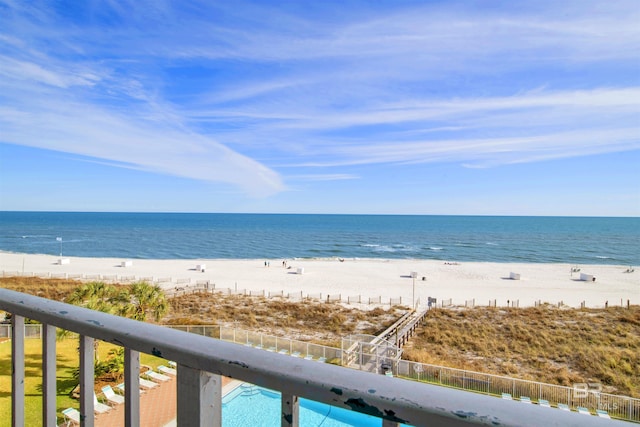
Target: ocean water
column 576, row 240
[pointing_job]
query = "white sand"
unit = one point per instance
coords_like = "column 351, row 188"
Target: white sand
column 370, row 278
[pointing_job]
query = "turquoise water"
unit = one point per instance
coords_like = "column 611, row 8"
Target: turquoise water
column 572, row 240
column 254, row 406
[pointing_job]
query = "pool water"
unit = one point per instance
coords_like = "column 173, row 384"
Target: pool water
column 253, row 406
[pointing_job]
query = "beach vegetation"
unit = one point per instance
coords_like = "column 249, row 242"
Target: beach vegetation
column 309, row 320
column 545, row 344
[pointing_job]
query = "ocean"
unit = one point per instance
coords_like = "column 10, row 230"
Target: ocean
column 574, row 240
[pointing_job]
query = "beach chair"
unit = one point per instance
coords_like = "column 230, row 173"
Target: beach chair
column 147, row 384
column 99, row 408
column 322, row 359
column 602, row 413
column 166, row 370
column 525, row 399
column 388, row 374
column 284, row 351
column 507, row 396
column 111, row 395
column 584, row 411
column 308, row 357
column 544, row 402
column 296, row 354
column 71, row 416
column 563, row 407
column 154, row 376
column 120, row 388
column 172, row 364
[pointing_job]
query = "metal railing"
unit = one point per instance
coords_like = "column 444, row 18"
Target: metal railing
column 621, row 407
column 357, row 353
column 201, row 361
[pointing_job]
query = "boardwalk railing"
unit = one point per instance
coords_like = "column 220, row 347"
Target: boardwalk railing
column 201, row 361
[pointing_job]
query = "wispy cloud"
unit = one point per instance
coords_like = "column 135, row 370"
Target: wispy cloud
column 242, row 95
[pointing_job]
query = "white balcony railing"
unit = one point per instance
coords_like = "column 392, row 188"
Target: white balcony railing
column 202, row 361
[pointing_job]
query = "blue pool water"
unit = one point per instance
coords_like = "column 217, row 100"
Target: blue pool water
column 253, row 406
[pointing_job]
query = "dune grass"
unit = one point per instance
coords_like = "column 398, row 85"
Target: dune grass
column 320, row 322
column 546, row 344
column 67, row 362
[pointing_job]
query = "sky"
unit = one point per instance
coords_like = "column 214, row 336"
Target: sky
column 356, row 107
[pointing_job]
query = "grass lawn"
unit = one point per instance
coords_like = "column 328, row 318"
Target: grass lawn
column 67, row 362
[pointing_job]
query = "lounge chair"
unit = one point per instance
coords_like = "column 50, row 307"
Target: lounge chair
column 544, row 402
column 154, row 376
column 284, row 351
column 563, row 407
column 120, row 387
column 172, row 364
column 166, row 370
column 602, row 413
column 584, row 411
column 71, row 416
column 147, row 384
column 525, row 399
column 296, row 354
column 98, row 407
column 111, row 395
column 388, row 374
column 308, row 357
column 322, row 359
column 507, row 396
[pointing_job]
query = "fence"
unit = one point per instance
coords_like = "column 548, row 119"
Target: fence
column 177, row 287
column 585, row 395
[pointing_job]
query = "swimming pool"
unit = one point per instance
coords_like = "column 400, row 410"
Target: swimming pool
column 253, row 406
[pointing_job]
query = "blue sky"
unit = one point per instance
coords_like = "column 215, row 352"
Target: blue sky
column 399, row 107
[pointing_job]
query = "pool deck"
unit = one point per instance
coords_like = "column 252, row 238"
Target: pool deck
column 157, row 406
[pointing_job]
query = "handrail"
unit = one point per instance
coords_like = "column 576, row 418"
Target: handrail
column 392, row 399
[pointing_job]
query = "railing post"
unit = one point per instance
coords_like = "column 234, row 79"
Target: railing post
column 131, row 388
column 86, row 381
column 290, row 410
column 199, row 398
column 49, row 392
column 17, row 370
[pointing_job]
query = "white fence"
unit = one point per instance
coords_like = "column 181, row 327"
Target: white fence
column 585, row 395
column 180, row 286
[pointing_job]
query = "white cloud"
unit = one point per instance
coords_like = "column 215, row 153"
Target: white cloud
column 225, row 94
column 145, row 144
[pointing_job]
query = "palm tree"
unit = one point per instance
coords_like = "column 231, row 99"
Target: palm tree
column 97, row 296
column 146, row 299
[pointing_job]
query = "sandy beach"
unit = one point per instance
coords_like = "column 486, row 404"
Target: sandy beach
column 368, row 278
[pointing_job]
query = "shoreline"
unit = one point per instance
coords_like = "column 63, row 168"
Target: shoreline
column 366, row 277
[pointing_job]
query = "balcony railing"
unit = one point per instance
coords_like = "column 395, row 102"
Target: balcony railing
column 201, row 361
